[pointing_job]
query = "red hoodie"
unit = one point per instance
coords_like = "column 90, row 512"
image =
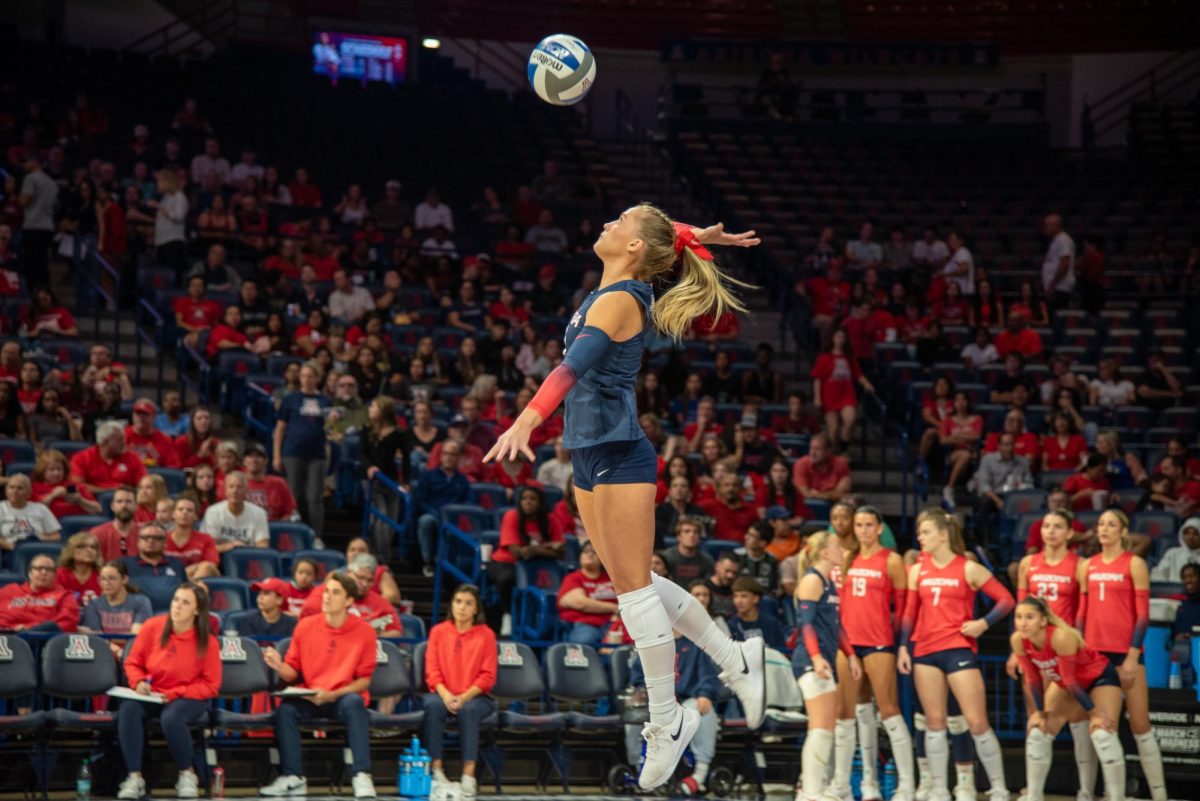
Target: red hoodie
column 23, row 608
column 175, row 670
column 461, row 659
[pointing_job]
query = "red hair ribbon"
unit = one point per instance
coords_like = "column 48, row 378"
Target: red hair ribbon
column 685, row 237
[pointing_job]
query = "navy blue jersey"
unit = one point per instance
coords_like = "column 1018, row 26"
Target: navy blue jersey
column 600, row 406
column 825, row 622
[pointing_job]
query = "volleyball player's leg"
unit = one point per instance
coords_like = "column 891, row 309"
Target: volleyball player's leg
column 962, row 747
column 1111, row 755
column 968, row 689
column 1087, row 762
column 881, row 673
column 924, row 779
column 1039, row 743
column 622, row 532
column 931, row 688
column 868, row 741
column 844, row 732
column 1137, row 704
column 821, row 710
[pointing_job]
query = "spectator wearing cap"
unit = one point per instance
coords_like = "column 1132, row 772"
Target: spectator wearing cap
column 1018, row 337
column 754, row 560
column 347, row 301
column 194, row 312
column 433, row 212
column 234, row 523
column 268, row 618
column 785, row 540
column 157, row 574
column 547, row 297
column 367, row 604
column 1089, row 488
column 470, row 463
column 435, row 488
column 152, row 446
column 820, row 474
column 271, row 493
column 750, row 448
column 733, row 516
column 586, row 599
column 747, row 622
column 197, row 550
column 686, row 563
column 22, row 519
column 392, row 211
column 299, row 445
column 107, row 464
column 677, row 505
column 38, row 604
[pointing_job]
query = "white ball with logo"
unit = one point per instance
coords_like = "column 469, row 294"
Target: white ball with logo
column 561, row 69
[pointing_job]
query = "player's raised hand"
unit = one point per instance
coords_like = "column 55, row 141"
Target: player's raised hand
column 717, row 235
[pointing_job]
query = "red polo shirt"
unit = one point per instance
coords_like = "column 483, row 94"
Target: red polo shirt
column 89, row 467
column 155, row 449
column 731, row 524
column 822, row 478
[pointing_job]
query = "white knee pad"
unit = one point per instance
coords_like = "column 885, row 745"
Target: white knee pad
column 644, row 617
column 919, row 721
column 811, row 685
column 1108, row 747
column 956, row 724
column 1038, row 747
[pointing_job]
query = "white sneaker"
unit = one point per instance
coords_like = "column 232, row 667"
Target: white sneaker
column 1084, row 795
column 924, row 789
column 964, row 793
column 468, row 788
column 665, row 745
column 133, row 788
column 750, row 682
column 999, row 794
column 187, row 785
column 836, row 793
column 871, row 792
column 285, row 786
column 903, row 794
column 363, row 786
column 948, row 498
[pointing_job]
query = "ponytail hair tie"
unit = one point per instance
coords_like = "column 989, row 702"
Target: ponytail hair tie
column 686, row 238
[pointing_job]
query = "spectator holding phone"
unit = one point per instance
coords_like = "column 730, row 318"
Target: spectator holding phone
column 52, row 488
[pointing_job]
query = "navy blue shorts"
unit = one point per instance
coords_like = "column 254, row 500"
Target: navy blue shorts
column 1116, row 659
column 863, row 651
column 632, row 461
column 951, row 661
column 1108, row 678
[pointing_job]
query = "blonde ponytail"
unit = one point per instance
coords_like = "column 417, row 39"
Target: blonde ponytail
column 701, row 289
column 811, row 551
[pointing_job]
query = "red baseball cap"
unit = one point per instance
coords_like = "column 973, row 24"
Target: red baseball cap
column 275, row 585
column 146, row 406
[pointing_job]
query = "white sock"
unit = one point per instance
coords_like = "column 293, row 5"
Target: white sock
column 964, row 775
column 818, row 743
column 693, row 621
column 647, row 623
column 1152, row 765
column 1112, row 763
column 868, row 741
column 439, row 775
column 924, row 777
column 937, row 752
column 1038, row 752
column 902, row 750
column 843, row 753
column 1085, row 756
column 700, row 773
column 987, row 747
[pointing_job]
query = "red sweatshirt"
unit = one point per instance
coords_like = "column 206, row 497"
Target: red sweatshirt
column 327, row 658
column 175, row 670
column 460, row 659
column 372, row 608
column 22, row 607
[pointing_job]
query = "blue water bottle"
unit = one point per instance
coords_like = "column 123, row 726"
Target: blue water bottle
column 890, row 779
column 856, row 777
column 413, row 777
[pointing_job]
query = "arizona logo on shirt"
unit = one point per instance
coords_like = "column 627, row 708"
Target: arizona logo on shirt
column 310, row 407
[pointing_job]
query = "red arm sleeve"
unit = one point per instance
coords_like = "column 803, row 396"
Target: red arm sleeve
column 909, row 620
column 1141, row 606
column 1004, row 601
column 844, row 643
column 552, row 391
column 1081, row 612
column 1033, row 677
column 901, row 604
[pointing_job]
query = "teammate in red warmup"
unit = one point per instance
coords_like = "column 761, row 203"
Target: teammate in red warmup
column 873, row 591
column 1114, row 611
column 1067, row 679
column 38, row 605
column 939, row 616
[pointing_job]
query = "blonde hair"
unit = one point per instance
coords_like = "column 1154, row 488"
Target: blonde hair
column 483, row 388
column 1123, row 519
column 160, row 487
column 701, row 289
column 946, row 523
column 811, row 551
column 67, row 557
column 1054, row 620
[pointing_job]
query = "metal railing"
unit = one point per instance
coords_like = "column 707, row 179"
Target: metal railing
column 259, row 414
column 402, row 529
column 187, row 32
column 155, row 338
column 873, row 406
column 1160, row 81
column 460, row 558
column 91, row 272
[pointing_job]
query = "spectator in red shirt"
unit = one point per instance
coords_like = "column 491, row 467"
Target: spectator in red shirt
column 102, row 370
column 959, row 435
column 107, row 465
column 820, row 474
column 228, row 335
column 38, row 604
column 1018, row 337
column 194, row 312
column 830, row 297
column 1025, row 443
column 936, row 407
column 79, row 567
column 150, row 490
column 587, row 600
column 799, row 419
column 198, row 445
column 731, row 514
column 197, row 550
column 526, row 533
column 152, row 446
column 52, row 487
column 1090, row 488
column 1064, row 449
column 725, row 328
column 270, row 492
column 367, row 604
column 303, row 192
column 1186, row 490
column 835, row 376
column 45, row 317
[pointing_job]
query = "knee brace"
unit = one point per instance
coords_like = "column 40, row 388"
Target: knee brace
column 1038, row 747
column 919, row 721
column 956, row 724
column 644, row 617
